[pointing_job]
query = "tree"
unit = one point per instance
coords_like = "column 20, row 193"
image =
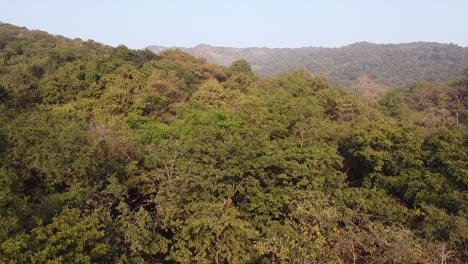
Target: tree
column 73, row 237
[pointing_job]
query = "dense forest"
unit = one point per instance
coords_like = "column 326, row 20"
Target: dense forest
column 112, row 155
column 387, row 64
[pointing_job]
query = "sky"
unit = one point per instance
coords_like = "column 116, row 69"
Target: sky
column 243, row 23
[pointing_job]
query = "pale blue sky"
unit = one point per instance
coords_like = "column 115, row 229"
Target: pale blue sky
column 242, row 23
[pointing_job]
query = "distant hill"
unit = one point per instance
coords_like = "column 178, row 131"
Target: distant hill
column 383, row 65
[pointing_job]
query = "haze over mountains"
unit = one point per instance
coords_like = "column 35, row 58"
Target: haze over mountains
column 375, row 66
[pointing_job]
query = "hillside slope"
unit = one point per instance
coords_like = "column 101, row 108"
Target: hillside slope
column 113, row 155
column 388, row 64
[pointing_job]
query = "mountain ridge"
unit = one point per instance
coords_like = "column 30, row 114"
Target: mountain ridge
column 392, row 65
column 202, row 44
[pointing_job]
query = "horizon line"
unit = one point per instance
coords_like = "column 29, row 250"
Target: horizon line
column 304, row 47
column 239, row 47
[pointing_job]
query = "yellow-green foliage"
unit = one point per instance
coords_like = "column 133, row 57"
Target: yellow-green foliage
column 112, row 155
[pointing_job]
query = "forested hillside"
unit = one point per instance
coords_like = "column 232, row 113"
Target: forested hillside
column 393, row 65
column 112, row 155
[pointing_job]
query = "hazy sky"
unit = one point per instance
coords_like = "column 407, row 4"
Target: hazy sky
column 242, row 23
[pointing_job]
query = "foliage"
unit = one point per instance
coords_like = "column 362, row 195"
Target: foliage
column 111, row 155
column 387, row 64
